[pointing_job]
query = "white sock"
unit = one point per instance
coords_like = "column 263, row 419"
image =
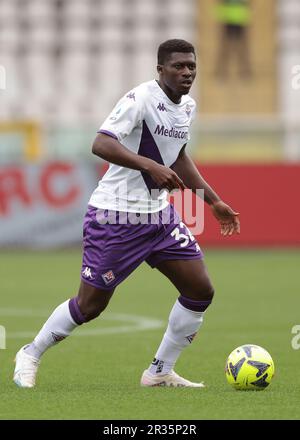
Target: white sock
column 58, row 326
column 182, row 328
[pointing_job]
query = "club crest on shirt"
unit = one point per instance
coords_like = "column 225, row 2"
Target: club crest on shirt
column 188, row 110
column 108, row 277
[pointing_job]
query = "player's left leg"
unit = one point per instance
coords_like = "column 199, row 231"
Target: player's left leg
column 191, row 279
column 89, row 303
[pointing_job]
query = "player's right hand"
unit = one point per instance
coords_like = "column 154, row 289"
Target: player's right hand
column 165, row 178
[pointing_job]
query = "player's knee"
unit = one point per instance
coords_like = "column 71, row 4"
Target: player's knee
column 207, row 292
column 92, row 301
column 201, row 290
column 91, row 311
column 90, row 315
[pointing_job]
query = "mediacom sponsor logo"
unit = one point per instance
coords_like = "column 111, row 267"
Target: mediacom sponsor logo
column 177, row 134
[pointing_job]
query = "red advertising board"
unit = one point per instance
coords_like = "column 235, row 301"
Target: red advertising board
column 267, row 198
column 44, row 205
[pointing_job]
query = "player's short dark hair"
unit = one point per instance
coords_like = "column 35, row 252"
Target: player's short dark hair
column 168, row 47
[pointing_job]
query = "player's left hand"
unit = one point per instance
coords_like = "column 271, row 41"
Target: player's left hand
column 228, row 219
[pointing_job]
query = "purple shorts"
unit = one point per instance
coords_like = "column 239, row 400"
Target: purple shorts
column 112, row 251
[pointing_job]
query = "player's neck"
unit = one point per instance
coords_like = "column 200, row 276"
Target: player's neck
column 170, row 94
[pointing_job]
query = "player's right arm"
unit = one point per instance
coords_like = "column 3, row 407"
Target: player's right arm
column 111, row 150
column 128, row 114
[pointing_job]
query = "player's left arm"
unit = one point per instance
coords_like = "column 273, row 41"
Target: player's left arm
column 185, row 168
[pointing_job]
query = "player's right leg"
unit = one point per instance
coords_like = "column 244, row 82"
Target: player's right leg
column 89, row 303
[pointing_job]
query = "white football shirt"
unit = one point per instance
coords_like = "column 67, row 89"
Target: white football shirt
column 148, row 123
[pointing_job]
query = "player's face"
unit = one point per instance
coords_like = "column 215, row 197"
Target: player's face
column 178, row 73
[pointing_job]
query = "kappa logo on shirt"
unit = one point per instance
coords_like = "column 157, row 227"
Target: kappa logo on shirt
column 131, row 95
column 161, row 107
column 108, row 277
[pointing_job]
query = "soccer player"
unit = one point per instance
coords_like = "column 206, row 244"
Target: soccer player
column 144, row 140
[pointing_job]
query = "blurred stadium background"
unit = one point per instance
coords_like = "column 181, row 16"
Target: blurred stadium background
column 63, row 66
column 65, row 63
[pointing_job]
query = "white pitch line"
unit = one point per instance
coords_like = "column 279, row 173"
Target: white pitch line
column 138, row 323
column 38, row 313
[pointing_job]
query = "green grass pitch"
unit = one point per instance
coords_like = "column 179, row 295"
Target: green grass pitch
column 96, row 375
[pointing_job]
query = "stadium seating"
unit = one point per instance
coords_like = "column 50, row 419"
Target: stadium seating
column 72, row 59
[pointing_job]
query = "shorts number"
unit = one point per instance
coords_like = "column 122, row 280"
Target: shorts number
column 180, row 236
